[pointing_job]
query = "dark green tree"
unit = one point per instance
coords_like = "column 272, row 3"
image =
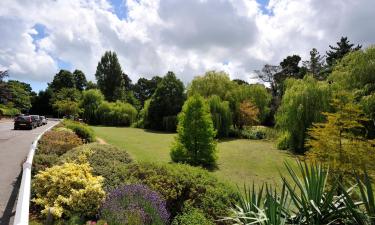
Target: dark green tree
column 41, row 104
column 110, row 78
column 315, row 65
column 240, row 82
column 63, row 79
column 337, row 53
column 91, row 85
column 165, row 102
column 195, row 143
column 145, row 88
column 19, row 95
column 79, row 80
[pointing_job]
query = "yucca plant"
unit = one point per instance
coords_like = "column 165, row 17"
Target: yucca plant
column 314, row 202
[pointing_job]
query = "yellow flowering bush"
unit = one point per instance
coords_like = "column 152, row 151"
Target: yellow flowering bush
column 68, row 189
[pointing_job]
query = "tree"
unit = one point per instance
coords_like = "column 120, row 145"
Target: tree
column 195, row 142
column 212, row 83
column 110, row 78
column 315, row 65
column 91, row 100
column 63, row 79
column 91, row 85
column 267, row 75
column 3, row 74
column 340, row 141
column 66, row 101
column 41, row 104
column 221, row 115
column 337, row 53
column 248, row 114
column 145, row 88
column 19, row 95
column 290, row 68
column 240, row 82
column 79, row 80
column 166, row 101
column 302, row 104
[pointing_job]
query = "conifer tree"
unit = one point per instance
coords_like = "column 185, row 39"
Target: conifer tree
column 340, row 141
column 195, row 142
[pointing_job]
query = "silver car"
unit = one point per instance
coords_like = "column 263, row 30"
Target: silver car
column 44, row 120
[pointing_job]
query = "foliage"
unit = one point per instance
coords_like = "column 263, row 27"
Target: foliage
column 91, row 100
column 67, row 108
column 315, row 65
column 211, row 83
column 42, row 161
column 58, row 142
column 248, row 114
column 335, row 54
column 63, row 79
column 67, row 190
column 191, row 216
column 82, row 130
column 80, row 81
column 8, row 111
column 170, row 123
column 305, row 198
column 19, row 95
column 110, row 77
column 195, row 142
column 145, row 88
column 41, row 104
column 221, row 115
column 340, row 141
column 182, row 184
column 283, row 141
column 117, row 113
column 302, row 104
column 142, row 116
column 166, row 101
column 134, row 205
column 106, row 160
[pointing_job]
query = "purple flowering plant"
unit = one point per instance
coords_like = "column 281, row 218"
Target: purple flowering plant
column 134, row 204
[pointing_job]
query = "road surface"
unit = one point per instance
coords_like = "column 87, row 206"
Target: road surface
column 14, row 147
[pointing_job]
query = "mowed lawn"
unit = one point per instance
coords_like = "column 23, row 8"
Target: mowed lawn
column 239, row 160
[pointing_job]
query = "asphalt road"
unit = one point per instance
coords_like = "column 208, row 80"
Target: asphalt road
column 14, row 147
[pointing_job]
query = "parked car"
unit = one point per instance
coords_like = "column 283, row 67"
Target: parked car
column 44, row 120
column 25, row 122
column 37, row 119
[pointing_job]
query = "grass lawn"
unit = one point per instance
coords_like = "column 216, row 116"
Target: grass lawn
column 239, row 160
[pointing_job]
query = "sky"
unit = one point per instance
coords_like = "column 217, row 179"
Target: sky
column 189, row 37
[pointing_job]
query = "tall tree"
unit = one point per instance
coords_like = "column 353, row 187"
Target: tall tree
column 110, row 78
column 166, row 101
column 337, row 53
column 268, row 75
column 315, row 65
column 91, row 85
column 195, row 142
column 63, row 79
column 91, row 100
column 20, row 95
column 340, row 141
column 145, row 88
column 79, row 80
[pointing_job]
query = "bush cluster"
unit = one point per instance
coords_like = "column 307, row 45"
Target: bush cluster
column 182, row 184
column 106, row 160
column 58, row 142
column 116, row 114
column 191, row 216
column 81, row 129
column 134, row 205
column 68, row 189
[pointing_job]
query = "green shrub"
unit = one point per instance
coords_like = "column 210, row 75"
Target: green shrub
column 283, row 141
column 221, row 115
column 191, row 216
column 81, row 129
column 183, row 184
column 106, row 160
column 117, row 113
column 67, row 190
column 58, row 142
column 43, row 161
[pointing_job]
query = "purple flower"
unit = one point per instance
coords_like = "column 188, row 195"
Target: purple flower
column 134, row 204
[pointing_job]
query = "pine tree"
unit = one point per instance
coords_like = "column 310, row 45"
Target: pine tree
column 340, row 141
column 315, row 65
column 337, row 53
column 195, row 142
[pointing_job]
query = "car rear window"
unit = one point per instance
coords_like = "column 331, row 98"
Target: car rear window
column 35, row 117
column 23, row 118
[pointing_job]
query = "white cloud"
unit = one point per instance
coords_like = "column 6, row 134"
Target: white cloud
column 188, row 37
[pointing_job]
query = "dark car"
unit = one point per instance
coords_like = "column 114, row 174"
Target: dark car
column 44, row 120
column 25, row 122
column 37, row 119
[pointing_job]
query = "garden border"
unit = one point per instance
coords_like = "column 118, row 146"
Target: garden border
column 23, row 201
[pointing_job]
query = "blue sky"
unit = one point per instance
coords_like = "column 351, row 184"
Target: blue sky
column 190, row 37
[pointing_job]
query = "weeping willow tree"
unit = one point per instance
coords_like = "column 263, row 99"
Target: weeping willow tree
column 221, row 115
column 303, row 103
